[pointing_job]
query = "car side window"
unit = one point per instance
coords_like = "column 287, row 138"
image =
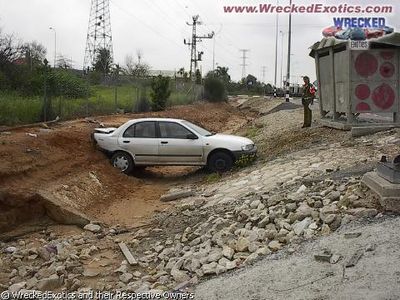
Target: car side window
column 173, row 130
column 141, row 130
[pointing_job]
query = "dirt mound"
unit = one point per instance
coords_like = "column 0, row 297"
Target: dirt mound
column 284, row 106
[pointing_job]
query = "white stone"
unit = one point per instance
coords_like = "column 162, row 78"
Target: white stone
column 301, row 189
column 299, row 228
column 228, row 252
column 242, row 244
column 92, row 227
column 179, row 276
column 126, row 277
column 16, row 287
column 275, row 245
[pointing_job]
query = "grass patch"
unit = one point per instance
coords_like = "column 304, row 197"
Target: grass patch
column 245, row 161
column 16, row 109
column 252, row 132
column 213, row 177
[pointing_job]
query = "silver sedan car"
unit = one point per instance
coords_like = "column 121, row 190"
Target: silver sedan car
column 164, row 141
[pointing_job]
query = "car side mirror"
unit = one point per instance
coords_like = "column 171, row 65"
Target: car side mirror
column 192, row 136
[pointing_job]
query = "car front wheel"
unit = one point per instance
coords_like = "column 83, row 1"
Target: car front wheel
column 122, row 161
column 220, row 162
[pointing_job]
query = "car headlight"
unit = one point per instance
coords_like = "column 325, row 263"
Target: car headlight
column 248, row 147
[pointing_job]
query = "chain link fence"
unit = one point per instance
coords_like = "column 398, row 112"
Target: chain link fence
column 124, row 94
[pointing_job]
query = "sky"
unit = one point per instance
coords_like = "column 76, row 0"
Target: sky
column 158, row 27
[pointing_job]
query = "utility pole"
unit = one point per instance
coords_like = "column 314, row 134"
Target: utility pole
column 281, row 83
column 276, row 45
column 244, row 65
column 263, row 69
column 288, row 58
column 55, row 45
column 215, row 35
column 194, row 55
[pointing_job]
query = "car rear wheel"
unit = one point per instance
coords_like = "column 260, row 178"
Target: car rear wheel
column 220, row 162
column 122, row 161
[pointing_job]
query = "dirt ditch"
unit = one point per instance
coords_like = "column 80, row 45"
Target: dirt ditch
column 58, row 165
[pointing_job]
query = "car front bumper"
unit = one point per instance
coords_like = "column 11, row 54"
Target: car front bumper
column 241, row 153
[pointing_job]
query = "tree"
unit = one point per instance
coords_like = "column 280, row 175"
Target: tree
column 269, row 89
column 34, row 53
column 103, row 61
column 10, row 49
column 251, row 81
column 159, row 93
column 64, row 62
column 214, row 88
column 181, row 71
column 137, row 69
column 198, row 76
column 222, row 73
column 184, row 74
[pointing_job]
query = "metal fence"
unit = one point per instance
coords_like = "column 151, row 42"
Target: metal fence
column 112, row 96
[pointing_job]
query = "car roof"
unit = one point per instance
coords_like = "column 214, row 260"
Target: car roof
column 155, row 119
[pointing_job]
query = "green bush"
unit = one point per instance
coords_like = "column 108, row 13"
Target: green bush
column 159, row 93
column 214, row 89
column 142, row 104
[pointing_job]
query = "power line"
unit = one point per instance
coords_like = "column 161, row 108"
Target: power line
column 183, row 10
column 146, row 25
column 166, row 17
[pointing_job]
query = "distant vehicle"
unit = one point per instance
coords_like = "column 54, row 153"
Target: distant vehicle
column 355, row 34
column 373, row 33
column 163, row 141
column 331, row 31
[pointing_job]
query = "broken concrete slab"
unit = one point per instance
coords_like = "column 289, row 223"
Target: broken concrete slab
column 389, row 193
column 128, row 255
column 352, row 235
column 62, row 213
column 357, row 131
column 176, row 195
column 324, row 256
column 19, row 208
column 355, row 258
column 335, row 259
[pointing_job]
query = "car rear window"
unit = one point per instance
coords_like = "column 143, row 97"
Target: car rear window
column 141, row 130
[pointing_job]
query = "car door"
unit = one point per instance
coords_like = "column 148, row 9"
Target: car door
column 179, row 145
column 140, row 139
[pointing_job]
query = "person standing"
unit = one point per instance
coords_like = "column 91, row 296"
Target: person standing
column 306, row 100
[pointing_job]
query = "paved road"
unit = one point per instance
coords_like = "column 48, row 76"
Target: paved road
column 299, row 276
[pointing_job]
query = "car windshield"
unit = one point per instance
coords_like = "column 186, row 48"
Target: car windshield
column 198, row 129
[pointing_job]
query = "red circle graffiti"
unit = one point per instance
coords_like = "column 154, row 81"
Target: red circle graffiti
column 362, row 106
column 366, row 64
column 383, row 96
column 386, row 69
column 387, row 55
column 362, row 91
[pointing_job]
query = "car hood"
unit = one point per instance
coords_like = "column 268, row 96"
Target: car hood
column 105, row 130
column 229, row 139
